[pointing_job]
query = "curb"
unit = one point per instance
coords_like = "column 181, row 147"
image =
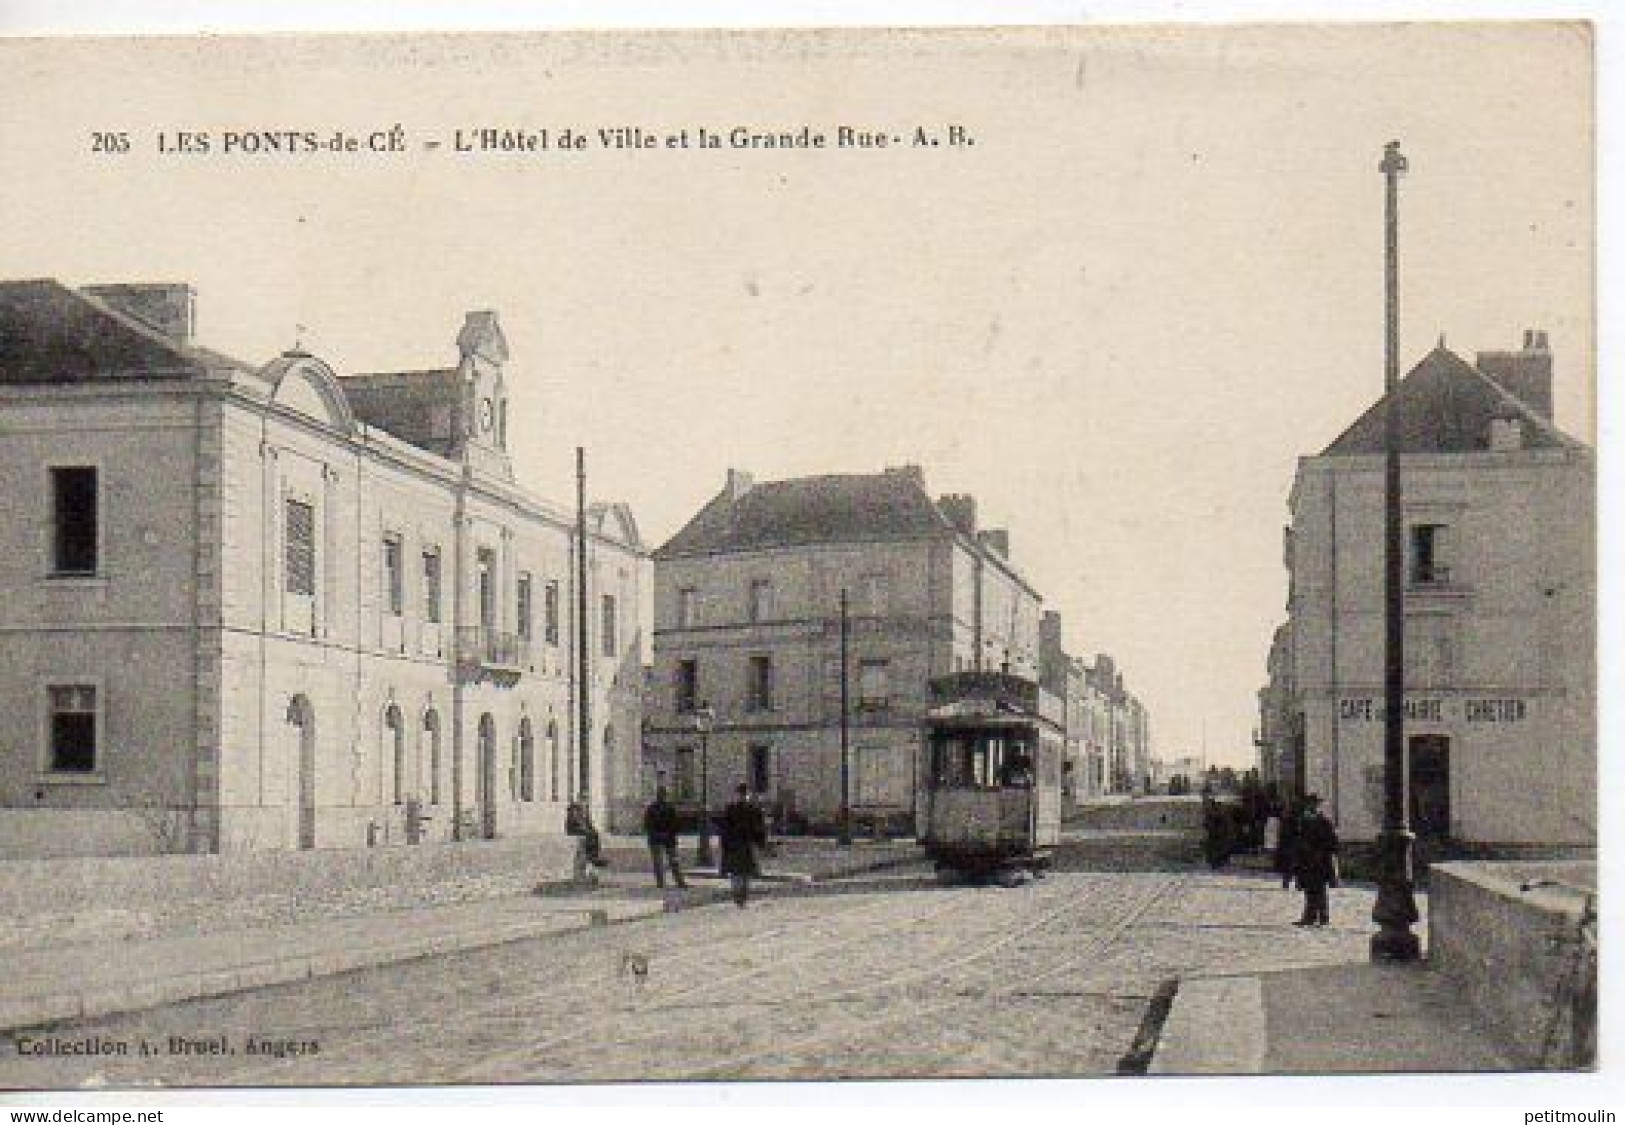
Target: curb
column 62, row 1007
column 1215, row 1026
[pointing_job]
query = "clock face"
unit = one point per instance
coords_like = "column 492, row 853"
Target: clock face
column 487, row 415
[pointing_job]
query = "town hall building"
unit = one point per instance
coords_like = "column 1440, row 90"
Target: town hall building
column 279, row 607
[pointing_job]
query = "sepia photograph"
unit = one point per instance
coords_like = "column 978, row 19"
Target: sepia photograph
column 550, row 558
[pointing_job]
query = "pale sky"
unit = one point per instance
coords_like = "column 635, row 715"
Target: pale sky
column 1117, row 320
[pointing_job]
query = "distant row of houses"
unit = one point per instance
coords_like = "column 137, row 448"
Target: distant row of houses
column 279, row 606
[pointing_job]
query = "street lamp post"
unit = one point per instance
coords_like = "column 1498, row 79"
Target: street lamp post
column 704, row 719
column 1395, row 909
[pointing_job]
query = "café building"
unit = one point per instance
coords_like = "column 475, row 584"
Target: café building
column 1500, row 609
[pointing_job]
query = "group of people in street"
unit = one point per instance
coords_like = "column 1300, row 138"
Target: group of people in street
column 741, row 831
column 1297, row 835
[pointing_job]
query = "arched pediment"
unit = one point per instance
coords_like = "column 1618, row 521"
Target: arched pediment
column 616, row 521
column 306, row 384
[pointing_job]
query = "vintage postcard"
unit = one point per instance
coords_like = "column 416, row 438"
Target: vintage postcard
column 546, row 558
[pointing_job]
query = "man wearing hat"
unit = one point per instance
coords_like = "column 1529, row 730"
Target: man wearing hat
column 1316, row 854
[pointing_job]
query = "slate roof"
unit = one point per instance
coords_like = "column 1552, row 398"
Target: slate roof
column 50, row 333
column 404, row 404
column 1445, row 406
column 823, row 509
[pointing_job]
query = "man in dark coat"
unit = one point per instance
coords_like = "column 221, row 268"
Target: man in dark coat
column 1316, row 854
column 1286, row 849
column 741, row 829
column 1217, row 834
column 660, row 828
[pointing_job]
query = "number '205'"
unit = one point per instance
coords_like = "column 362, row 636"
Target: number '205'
column 109, row 142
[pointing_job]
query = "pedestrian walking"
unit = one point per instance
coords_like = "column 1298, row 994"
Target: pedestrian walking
column 1316, row 863
column 1286, row 850
column 741, row 830
column 660, row 829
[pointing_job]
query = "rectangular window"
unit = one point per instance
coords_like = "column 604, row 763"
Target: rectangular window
column 550, row 613
column 688, row 686
column 299, row 547
column 759, row 601
column 74, row 516
column 523, row 596
column 73, row 728
column 688, row 608
column 761, row 768
column 874, row 685
column 485, row 562
column 431, row 584
column 683, row 764
column 759, row 689
column 394, row 587
column 874, row 595
column 611, row 646
column 1429, row 553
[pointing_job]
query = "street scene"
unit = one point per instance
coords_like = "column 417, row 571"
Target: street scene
column 1015, row 553
column 871, row 975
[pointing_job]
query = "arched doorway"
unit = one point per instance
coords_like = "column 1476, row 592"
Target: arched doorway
column 431, row 756
column 527, row 762
column 395, row 737
column 301, row 720
column 485, row 778
column 553, row 760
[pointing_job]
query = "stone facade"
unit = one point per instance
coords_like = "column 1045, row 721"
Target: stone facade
column 1108, row 729
column 311, row 613
column 1500, row 611
column 747, row 625
column 1280, row 733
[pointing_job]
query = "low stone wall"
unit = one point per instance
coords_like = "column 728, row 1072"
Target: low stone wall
column 1520, row 939
column 1131, row 813
column 53, row 833
column 139, row 896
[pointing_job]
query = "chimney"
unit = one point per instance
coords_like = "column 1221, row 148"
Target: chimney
column 738, row 483
column 912, row 472
column 959, row 510
column 165, row 307
column 1049, row 630
column 995, row 539
column 1525, row 374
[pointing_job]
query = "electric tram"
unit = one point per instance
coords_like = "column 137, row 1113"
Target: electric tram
column 991, row 792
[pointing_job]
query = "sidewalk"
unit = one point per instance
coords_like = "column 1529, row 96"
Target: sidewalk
column 1341, row 1019
column 52, row 984
column 54, row 981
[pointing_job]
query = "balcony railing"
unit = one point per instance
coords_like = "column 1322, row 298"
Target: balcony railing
column 482, row 647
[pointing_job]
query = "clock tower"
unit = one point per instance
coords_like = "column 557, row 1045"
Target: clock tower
column 482, row 414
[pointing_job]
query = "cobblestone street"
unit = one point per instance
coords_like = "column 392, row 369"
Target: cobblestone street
column 884, row 975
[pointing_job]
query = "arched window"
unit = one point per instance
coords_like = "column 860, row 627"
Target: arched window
column 395, row 738
column 527, row 762
column 431, row 755
column 553, row 760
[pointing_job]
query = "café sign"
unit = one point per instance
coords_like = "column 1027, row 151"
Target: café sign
column 1432, row 709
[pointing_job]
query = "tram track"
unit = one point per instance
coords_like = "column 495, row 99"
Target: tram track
column 652, row 1028
column 1098, row 948
column 505, row 1063
column 737, row 1065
